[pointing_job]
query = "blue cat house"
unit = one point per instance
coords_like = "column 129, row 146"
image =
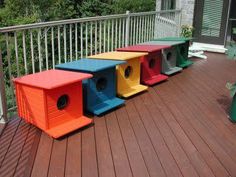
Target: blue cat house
column 99, row 92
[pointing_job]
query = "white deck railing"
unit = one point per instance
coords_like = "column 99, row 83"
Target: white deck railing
column 40, row 46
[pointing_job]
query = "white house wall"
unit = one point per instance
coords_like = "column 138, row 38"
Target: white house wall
column 187, row 11
column 187, row 7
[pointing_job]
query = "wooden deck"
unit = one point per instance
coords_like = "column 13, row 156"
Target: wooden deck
column 177, row 128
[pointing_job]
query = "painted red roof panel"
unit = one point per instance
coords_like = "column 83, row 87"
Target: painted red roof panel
column 144, row 48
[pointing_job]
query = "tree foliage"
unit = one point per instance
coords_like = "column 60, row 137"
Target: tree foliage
column 15, row 12
column 121, row 6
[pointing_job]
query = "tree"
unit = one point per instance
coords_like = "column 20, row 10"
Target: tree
column 121, row 6
column 14, row 12
column 95, row 8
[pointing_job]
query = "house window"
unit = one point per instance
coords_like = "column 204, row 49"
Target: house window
column 212, row 18
column 168, row 4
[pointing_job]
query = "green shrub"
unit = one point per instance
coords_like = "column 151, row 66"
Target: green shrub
column 187, row 31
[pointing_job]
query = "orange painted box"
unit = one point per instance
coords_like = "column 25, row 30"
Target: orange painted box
column 52, row 101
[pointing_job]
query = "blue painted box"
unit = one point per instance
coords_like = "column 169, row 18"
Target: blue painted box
column 100, row 91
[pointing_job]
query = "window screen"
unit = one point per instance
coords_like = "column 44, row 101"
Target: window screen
column 168, row 4
column 212, row 15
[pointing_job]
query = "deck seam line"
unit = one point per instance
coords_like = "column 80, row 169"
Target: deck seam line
column 1, row 163
column 149, row 137
column 164, row 102
column 211, row 103
column 49, row 163
column 29, row 128
column 95, row 143
column 209, row 146
column 176, row 137
column 162, row 135
column 216, row 142
column 164, row 138
column 137, row 141
column 81, row 159
column 34, row 142
column 65, row 160
column 124, row 145
column 108, row 137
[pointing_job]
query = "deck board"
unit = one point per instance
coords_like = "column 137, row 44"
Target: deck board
column 169, row 164
column 151, row 159
column 13, row 155
column 89, row 154
column 178, row 128
column 201, row 146
column 105, row 161
column 2, row 126
column 208, row 135
column 73, row 157
column 119, row 153
column 186, row 143
column 58, row 158
column 25, row 165
column 216, row 124
column 213, row 123
column 156, row 108
column 7, row 137
column 134, row 153
column 42, row 160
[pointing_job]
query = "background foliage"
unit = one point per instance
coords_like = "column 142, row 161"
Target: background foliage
column 15, row 12
column 187, row 31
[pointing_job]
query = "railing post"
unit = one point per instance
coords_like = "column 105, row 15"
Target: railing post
column 178, row 18
column 156, row 25
column 127, row 28
column 3, row 103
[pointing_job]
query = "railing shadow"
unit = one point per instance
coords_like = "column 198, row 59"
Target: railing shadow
column 16, row 145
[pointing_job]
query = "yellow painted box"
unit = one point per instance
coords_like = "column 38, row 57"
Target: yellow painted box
column 128, row 74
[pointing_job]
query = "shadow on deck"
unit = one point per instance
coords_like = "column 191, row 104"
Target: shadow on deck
column 177, row 128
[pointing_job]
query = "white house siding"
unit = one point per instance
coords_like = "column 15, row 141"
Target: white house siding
column 187, row 11
column 187, row 7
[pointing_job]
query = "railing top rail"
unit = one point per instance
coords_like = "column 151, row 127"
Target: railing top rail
column 57, row 23
column 77, row 20
column 154, row 12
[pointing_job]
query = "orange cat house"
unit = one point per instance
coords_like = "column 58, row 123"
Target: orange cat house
column 52, row 101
